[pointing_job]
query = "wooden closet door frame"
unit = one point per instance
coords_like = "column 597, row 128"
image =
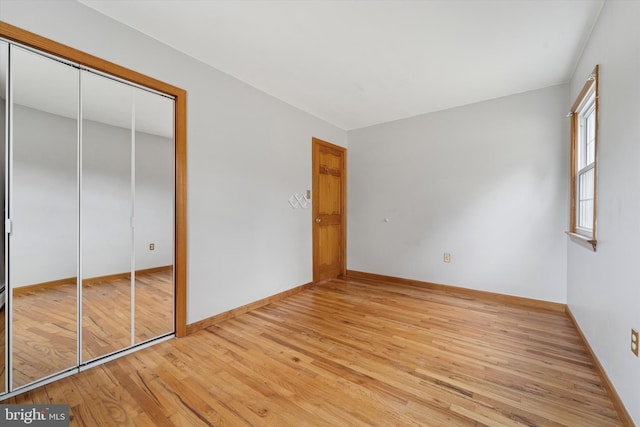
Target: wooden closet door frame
column 43, row 44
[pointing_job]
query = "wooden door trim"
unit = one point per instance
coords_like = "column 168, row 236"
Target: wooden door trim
column 43, row 44
column 314, row 204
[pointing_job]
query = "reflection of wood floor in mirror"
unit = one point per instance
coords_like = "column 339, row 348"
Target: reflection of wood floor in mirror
column 44, row 332
column 44, row 321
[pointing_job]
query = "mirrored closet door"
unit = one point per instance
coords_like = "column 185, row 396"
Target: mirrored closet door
column 4, row 313
column 90, row 214
column 43, row 208
column 127, row 202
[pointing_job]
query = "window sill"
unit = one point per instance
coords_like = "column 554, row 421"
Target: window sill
column 583, row 240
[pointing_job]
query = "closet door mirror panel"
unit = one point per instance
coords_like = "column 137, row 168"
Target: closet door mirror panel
column 106, row 215
column 154, row 213
column 44, row 213
column 4, row 64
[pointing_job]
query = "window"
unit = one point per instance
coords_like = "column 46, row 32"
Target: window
column 584, row 145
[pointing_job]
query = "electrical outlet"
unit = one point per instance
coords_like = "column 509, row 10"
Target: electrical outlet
column 447, row 257
column 634, row 342
column 152, row 246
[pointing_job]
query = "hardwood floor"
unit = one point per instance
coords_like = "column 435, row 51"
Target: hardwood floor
column 357, row 354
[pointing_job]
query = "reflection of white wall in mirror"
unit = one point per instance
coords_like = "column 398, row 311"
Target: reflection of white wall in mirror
column 105, row 199
column 57, row 251
column 107, row 245
column 154, row 201
column 44, row 235
column 44, row 178
column 154, row 188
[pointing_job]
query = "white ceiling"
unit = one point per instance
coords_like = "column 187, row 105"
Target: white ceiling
column 359, row 63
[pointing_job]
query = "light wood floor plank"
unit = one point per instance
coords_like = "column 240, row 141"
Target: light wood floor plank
column 356, row 353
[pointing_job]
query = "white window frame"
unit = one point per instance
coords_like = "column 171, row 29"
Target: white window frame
column 583, row 165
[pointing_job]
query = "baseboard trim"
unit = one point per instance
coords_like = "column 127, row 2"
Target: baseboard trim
column 507, row 299
column 210, row 321
column 617, row 402
column 44, row 285
column 91, row 280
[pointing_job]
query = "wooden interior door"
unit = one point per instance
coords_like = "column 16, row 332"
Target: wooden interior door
column 329, row 210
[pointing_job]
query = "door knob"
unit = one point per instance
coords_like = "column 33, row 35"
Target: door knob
column 318, row 220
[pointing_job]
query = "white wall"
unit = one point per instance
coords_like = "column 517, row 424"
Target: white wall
column 604, row 287
column 485, row 182
column 247, row 153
